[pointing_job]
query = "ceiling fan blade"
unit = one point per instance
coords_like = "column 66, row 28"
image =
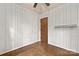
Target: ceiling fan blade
column 35, row 4
column 47, row 4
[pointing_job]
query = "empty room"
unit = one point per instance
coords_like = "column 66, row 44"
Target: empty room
column 39, row 29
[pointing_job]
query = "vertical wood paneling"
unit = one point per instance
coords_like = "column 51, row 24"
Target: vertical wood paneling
column 65, row 38
column 17, row 27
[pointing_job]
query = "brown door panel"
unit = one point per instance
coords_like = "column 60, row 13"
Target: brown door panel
column 44, row 31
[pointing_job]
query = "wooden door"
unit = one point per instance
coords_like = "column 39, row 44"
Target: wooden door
column 44, row 31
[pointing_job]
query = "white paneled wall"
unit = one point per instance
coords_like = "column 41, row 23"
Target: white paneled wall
column 18, row 27
column 66, row 14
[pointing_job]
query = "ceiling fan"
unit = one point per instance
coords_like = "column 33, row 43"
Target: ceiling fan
column 35, row 4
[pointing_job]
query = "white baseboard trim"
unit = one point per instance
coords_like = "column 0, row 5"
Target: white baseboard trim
column 17, row 48
column 64, row 48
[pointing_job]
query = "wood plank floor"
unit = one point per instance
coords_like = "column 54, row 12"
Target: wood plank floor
column 37, row 50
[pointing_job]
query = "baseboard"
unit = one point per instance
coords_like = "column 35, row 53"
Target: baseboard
column 24, row 48
column 65, row 48
column 10, row 52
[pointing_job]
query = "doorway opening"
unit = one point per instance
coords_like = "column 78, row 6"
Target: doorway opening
column 44, row 31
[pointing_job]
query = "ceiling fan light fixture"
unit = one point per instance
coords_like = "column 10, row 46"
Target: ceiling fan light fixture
column 35, row 4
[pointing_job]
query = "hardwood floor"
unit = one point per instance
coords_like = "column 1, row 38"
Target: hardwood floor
column 37, row 50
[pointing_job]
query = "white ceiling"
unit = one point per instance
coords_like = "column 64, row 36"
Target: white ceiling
column 41, row 7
